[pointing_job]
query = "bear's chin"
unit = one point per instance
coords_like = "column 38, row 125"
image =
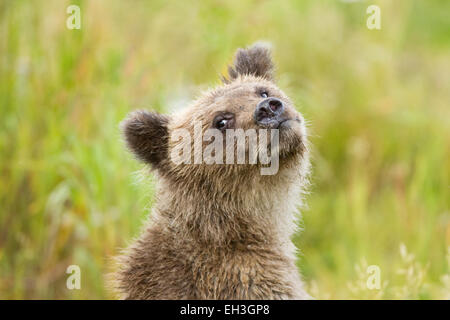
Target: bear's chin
column 292, row 143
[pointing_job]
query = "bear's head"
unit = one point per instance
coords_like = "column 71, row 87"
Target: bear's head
column 201, row 144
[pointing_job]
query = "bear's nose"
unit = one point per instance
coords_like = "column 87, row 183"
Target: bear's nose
column 268, row 111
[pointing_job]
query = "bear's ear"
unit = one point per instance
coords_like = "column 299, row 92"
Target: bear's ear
column 255, row 60
column 147, row 136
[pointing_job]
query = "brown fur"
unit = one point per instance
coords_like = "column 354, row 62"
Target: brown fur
column 254, row 61
column 218, row 231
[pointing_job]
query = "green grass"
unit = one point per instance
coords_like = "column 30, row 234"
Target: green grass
column 378, row 104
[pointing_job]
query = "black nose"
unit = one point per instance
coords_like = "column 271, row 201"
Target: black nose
column 269, row 111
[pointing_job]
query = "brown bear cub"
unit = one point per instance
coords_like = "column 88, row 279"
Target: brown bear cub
column 220, row 230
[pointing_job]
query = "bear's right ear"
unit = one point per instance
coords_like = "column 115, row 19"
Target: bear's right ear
column 147, row 136
column 255, row 60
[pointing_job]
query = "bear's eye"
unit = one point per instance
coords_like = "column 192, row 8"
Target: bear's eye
column 221, row 124
column 264, row 94
column 223, row 121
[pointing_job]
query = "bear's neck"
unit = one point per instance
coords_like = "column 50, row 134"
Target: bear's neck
column 248, row 212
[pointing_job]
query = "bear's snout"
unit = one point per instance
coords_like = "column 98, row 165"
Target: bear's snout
column 269, row 112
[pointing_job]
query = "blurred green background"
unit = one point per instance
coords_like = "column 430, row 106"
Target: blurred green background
column 377, row 101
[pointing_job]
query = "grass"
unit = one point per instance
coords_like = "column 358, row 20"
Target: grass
column 377, row 102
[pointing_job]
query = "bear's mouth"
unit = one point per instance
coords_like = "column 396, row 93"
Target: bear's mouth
column 283, row 123
column 286, row 123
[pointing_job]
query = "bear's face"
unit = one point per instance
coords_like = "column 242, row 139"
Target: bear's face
column 195, row 142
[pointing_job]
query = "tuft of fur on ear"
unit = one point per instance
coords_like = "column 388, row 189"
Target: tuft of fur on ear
column 255, row 60
column 146, row 135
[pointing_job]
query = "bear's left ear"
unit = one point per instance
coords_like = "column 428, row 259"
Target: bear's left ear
column 255, row 60
column 147, row 136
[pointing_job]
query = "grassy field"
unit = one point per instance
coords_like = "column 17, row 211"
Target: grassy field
column 377, row 101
